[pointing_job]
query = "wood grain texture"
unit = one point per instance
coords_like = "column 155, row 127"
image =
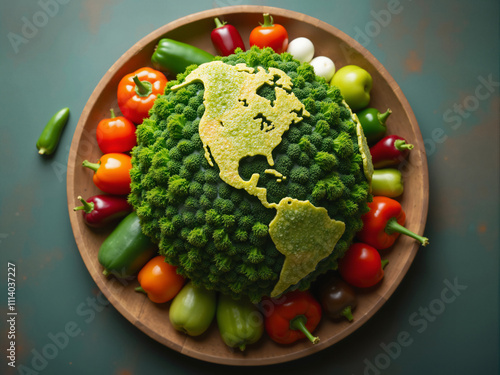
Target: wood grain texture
column 194, row 29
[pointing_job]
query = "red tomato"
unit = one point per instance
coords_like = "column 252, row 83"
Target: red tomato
column 115, row 134
column 270, row 34
column 361, row 266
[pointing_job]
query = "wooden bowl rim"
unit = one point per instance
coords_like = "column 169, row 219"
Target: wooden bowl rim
column 157, row 34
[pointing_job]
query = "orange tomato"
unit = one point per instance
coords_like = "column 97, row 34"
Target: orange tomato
column 159, row 280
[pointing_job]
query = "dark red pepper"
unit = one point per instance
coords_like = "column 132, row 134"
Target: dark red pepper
column 101, row 210
column 389, row 151
column 226, row 38
column 383, row 224
column 338, row 299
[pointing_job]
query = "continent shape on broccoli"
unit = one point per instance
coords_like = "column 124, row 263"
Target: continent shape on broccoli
column 238, row 122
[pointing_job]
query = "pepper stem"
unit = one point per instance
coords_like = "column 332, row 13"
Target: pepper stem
column 268, row 20
column 142, row 88
column 299, row 323
column 347, row 313
column 218, row 23
column 140, row 289
column 93, row 166
column 384, row 262
column 401, row 145
column 382, row 117
column 393, row 226
column 88, row 207
column 112, row 113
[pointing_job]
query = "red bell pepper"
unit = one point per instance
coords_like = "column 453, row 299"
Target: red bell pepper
column 137, row 92
column 389, row 151
column 226, row 38
column 383, row 224
column 294, row 316
column 112, row 173
column 101, row 210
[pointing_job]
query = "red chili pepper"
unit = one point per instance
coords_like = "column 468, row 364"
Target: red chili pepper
column 101, row 210
column 137, row 92
column 383, row 224
column 112, row 173
column 390, row 150
column 294, row 316
column 269, row 34
column 226, row 38
column 361, row 266
column 115, row 134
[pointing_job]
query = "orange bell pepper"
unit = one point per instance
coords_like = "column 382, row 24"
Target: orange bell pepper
column 137, row 92
column 159, row 280
column 112, row 173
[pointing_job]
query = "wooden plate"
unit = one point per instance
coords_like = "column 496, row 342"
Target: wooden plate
column 195, row 29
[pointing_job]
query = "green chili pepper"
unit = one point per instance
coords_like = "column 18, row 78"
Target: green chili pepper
column 373, row 123
column 51, row 134
column 240, row 322
column 126, row 249
column 193, row 309
column 174, row 57
column 387, row 182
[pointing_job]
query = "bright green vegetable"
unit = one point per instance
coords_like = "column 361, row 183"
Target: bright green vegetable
column 373, row 123
column 126, row 249
column 217, row 235
column 387, row 182
column 240, row 322
column 356, row 84
column 174, row 57
column 51, row 134
column 193, row 309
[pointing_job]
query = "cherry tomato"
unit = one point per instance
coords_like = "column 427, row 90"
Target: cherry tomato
column 159, row 280
column 361, row 266
column 116, row 134
column 270, row 34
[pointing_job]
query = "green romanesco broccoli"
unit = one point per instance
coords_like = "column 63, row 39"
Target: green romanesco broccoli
column 218, row 235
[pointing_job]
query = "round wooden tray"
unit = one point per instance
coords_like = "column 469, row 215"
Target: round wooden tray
column 195, row 29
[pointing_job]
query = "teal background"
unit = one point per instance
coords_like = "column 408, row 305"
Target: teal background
column 441, row 53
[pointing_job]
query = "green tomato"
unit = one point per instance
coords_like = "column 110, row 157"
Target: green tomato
column 355, row 84
column 193, row 309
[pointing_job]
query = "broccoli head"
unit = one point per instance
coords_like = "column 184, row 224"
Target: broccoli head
column 217, row 234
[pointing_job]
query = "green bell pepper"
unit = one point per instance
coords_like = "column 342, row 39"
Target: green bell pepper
column 373, row 123
column 387, row 182
column 174, row 57
column 193, row 309
column 126, row 249
column 240, row 322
